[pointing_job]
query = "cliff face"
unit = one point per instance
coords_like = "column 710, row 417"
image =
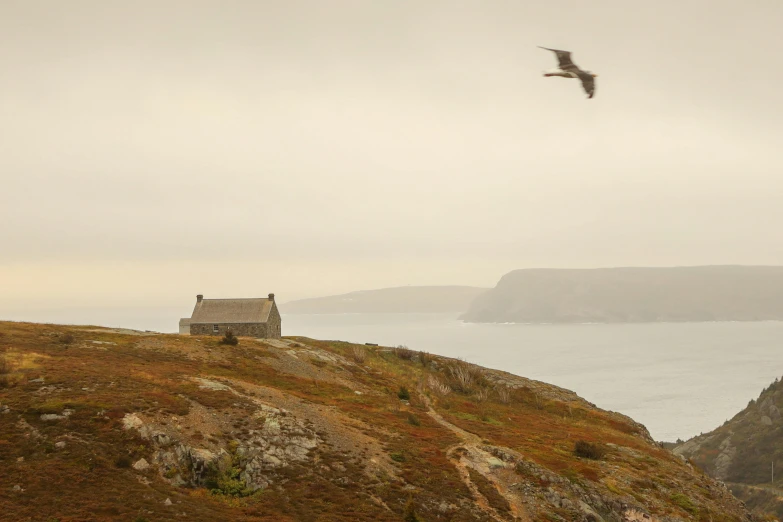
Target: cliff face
column 122, row 425
column 410, row 299
column 742, row 451
column 615, row 295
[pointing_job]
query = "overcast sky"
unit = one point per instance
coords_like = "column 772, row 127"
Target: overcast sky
column 152, row 150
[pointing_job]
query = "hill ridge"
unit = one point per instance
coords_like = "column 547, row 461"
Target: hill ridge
column 157, row 425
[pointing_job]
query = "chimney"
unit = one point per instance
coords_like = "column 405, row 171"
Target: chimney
column 199, row 297
column 271, row 297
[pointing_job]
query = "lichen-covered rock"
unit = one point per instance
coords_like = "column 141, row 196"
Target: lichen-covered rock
column 281, row 441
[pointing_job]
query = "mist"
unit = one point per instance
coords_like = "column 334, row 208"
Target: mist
column 150, row 151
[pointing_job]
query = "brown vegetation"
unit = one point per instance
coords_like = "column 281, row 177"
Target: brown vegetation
column 589, row 450
column 229, row 338
column 376, row 457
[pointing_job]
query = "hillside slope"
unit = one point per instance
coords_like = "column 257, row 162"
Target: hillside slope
column 741, row 452
column 406, row 299
column 610, row 295
column 120, row 425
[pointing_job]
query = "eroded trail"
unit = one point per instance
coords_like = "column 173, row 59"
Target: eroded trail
column 471, row 454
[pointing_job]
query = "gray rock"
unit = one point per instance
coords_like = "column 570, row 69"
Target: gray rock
column 167, row 502
column 161, row 439
column 495, row 462
column 141, row 465
column 766, row 421
column 59, row 445
column 53, row 416
column 131, row 420
column 590, row 512
column 18, row 488
column 724, row 459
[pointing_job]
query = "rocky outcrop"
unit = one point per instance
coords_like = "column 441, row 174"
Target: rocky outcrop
column 743, row 449
column 281, row 440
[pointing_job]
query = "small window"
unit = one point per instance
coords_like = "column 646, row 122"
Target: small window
column 216, row 329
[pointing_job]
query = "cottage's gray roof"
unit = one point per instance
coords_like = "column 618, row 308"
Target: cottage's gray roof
column 215, row 311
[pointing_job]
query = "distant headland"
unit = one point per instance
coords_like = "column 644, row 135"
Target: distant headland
column 623, row 295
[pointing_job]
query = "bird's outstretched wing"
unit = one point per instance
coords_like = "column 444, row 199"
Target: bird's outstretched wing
column 588, row 83
column 563, row 58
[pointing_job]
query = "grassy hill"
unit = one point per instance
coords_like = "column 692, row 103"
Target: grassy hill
column 121, row 425
column 612, row 295
column 406, row 299
column 741, row 452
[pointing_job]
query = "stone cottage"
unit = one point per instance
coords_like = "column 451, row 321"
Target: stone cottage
column 244, row 317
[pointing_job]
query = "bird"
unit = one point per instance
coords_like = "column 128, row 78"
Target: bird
column 567, row 69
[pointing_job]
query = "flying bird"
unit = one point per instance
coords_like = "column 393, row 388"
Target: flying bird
column 567, row 69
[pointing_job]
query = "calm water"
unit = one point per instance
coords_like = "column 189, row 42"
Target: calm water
column 676, row 379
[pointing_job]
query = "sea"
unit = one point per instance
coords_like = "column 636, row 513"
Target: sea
column 678, row 379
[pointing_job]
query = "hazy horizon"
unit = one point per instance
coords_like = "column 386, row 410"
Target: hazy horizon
column 155, row 150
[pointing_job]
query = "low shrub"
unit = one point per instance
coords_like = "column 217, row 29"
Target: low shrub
column 504, row 393
column 425, row 358
column 359, row 354
column 224, row 479
column 66, row 339
column 404, row 394
column 409, row 513
column 403, row 352
column 123, row 461
column 5, row 370
column 229, row 338
column 413, row 420
column 464, row 377
column 438, row 386
column 589, row 450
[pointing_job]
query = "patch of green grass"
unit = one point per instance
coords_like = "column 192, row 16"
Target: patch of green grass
column 397, row 456
column 685, row 503
column 475, row 418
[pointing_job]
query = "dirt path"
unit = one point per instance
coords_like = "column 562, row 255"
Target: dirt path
column 470, row 454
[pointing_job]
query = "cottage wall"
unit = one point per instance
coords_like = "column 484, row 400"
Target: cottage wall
column 274, row 323
column 238, row 329
column 184, row 326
